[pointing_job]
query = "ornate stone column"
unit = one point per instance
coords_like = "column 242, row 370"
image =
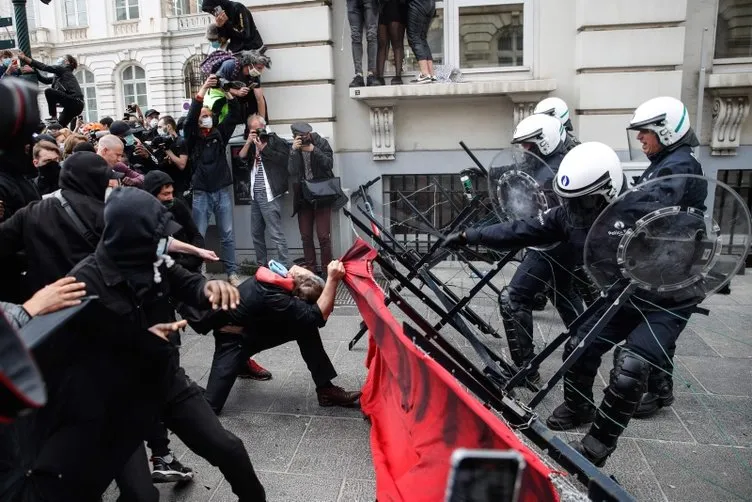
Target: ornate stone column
column 730, row 110
column 382, row 131
column 523, row 110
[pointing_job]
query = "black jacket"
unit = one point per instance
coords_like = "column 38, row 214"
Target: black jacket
column 64, row 80
column 677, row 191
column 45, row 231
column 240, row 28
column 322, row 166
column 17, row 190
column 208, row 153
column 275, row 157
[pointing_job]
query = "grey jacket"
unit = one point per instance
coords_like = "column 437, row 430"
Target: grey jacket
column 15, row 314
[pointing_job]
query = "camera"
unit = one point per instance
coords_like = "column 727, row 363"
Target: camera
column 226, row 85
column 19, row 116
column 161, row 143
column 305, row 139
column 262, row 134
column 130, row 109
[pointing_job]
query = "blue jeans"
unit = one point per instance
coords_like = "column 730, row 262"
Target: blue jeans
column 268, row 216
column 219, row 203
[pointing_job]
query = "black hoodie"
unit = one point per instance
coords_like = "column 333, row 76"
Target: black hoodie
column 44, row 230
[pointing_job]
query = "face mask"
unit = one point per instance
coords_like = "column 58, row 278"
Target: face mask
column 164, row 133
column 153, row 123
column 253, row 72
column 7, row 61
column 206, row 122
column 49, row 168
column 215, row 44
column 107, row 193
column 168, row 203
column 60, row 61
column 180, row 133
column 130, row 140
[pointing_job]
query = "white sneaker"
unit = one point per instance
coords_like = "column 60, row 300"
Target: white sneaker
column 422, row 79
column 234, row 280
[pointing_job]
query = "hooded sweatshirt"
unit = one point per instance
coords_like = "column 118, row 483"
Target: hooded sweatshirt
column 52, row 242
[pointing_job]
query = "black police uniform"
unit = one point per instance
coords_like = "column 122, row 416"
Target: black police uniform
column 538, row 271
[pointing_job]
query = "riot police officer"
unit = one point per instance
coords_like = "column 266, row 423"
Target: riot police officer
column 667, row 139
column 545, row 137
column 557, row 108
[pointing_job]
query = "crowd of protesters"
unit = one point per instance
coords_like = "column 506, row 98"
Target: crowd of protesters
column 120, row 209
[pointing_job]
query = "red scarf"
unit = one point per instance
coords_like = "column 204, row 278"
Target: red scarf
column 266, row 276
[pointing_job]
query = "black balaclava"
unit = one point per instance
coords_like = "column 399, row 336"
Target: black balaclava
column 135, row 222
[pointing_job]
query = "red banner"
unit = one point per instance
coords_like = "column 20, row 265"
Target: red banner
column 419, row 413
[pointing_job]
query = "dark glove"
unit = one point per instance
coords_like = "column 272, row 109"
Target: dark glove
column 455, row 240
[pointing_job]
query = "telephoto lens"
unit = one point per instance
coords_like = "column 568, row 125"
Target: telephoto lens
column 19, row 115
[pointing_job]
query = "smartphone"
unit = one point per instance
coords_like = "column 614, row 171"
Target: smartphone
column 485, row 476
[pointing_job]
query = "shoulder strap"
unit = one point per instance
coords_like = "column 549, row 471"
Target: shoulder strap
column 85, row 232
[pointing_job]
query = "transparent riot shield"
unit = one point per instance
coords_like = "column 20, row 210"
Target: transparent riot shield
column 679, row 238
column 520, row 186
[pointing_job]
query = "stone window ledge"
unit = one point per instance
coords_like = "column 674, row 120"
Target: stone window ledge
column 730, row 91
column 382, row 99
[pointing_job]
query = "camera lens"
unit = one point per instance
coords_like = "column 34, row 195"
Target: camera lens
column 19, row 115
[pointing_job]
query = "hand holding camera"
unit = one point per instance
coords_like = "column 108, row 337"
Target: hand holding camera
column 297, row 143
column 211, row 82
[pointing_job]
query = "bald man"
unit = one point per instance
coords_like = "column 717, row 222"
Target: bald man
column 111, row 149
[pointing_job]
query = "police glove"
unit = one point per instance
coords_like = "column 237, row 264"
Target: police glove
column 455, row 240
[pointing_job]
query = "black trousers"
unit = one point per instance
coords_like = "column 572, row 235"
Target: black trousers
column 232, row 350
column 72, row 107
column 420, row 14
column 189, row 416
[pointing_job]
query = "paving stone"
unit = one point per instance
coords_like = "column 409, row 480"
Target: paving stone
column 631, row 469
column 271, row 440
column 692, row 344
column 358, row 490
column 283, row 487
column 298, row 396
column 321, row 449
column 726, row 376
column 689, row 473
column 721, row 420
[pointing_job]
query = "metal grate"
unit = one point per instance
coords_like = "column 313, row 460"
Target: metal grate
column 741, row 182
column 192, row 75
column 343, row 297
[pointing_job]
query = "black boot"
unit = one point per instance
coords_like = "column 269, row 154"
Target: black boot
column 577, row 408
column 593, row 450
column 659, row 395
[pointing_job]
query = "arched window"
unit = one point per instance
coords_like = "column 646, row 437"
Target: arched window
column 86, row 81
column 134, row 86
column 509, row 45
column 192, row 75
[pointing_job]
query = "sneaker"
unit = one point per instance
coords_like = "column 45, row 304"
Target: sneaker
column 373, row 80
column 234, row 280
column 254, row 371
column 434, row 79
column 564, row 418
column 422, row 79
column 337, row 396
column 167, row 469
column 396, row 81
column 357, row 81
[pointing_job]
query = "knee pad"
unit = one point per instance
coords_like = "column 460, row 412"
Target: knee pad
column 629, row 375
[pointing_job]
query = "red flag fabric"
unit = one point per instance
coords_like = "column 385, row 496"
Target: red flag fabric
column 419, row 412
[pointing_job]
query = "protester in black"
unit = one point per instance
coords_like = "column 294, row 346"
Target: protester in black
column 132, row 275
column 65, row 90
column 45, row 230
column 176, row 155
column 235, row 23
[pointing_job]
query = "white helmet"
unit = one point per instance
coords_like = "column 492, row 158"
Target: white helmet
column 544, row 131
column 590, row 168
column 557, row 108
column 665, row 116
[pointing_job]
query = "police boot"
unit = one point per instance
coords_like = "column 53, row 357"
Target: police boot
column 593, row 450
column 518, row 326
column 627, row 383
column 659, row 395
column 577, row 408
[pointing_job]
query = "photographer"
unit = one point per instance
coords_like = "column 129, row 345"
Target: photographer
column 151, row 123
column 175, row 154
column 269, row 182
column 212, row 176
column 311, row 158
column 110, row 148
column 65, row 90
column 139, row 157
column 234, row 23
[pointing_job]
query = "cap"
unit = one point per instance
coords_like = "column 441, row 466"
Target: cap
column 54, row 126
column 120, row 128
column 150, row 112
column 44, row 137
column 301, row 128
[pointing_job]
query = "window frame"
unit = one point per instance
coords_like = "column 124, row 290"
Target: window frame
column 134, row 82
column 80, row 7
column 129, row 4
column 178, row 5
column 86, row 87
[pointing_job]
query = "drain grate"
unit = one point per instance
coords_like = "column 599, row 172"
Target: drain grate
column 343, row 297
